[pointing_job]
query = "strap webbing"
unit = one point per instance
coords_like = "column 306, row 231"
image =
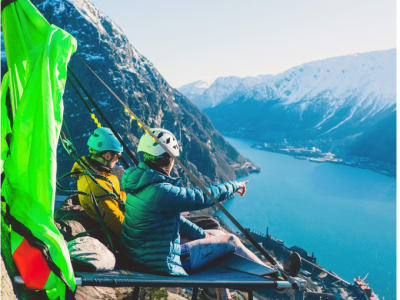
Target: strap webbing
column 88, row 170
column 24, row 231
column 72, row 152
column 103, row 226
column 188, row 172
column 128, row 151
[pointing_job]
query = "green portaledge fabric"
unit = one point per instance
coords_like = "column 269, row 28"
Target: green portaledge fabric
column 5, row 120
column 37, row 57
column 4, row 3
column 19, row 232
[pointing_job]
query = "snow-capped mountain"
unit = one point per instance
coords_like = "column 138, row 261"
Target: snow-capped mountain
column 103, row 45
column 367, row 75
column 195, row 89
column 371, row 77
column 209, row 94
column 345, row 105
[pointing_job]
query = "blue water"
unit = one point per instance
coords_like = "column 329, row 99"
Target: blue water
column 345, row 215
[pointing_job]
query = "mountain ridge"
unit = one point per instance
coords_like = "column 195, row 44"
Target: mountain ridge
column 334, row 105
column 364, row 59
column 139, row 84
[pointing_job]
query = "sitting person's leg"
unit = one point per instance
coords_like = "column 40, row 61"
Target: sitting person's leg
column 236, row 242
column 198, row 253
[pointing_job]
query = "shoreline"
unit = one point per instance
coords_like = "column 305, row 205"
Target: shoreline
column 317, row 156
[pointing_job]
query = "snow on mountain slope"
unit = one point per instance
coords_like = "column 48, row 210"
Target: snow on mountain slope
column 205, row 94
column 368, row 76
column 335, row 104
column 103, row 45
column 196, row 88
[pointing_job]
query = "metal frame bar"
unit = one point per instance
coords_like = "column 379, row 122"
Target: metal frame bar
column 137, row 283
column 195, row 293
column 136, row 293
column 250, row 295
column 110, row 282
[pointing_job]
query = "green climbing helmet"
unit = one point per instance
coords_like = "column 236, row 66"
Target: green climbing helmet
column 103, row 139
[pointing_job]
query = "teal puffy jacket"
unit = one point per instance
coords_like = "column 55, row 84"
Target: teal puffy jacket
column 151, row 231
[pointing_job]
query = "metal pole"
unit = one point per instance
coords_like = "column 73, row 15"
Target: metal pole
column 197, row 181
column 250, row 295
column 128, row 151
column 195, row 293
column 136, row 292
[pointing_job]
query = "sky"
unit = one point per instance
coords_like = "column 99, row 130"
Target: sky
column 201, row 40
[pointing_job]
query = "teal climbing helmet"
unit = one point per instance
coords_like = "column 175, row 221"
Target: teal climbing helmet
column 103, row 139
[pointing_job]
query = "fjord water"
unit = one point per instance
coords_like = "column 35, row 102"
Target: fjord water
column 345, row 215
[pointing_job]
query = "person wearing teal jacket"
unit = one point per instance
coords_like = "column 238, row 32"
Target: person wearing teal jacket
column 153, row 226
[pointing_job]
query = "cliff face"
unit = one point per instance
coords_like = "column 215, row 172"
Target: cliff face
column 107, row 50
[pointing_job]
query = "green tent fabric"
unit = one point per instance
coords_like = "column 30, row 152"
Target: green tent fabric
column 37, row 57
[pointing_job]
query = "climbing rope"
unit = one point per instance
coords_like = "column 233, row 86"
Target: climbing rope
column 93, row 102
column 197, row 181
column 92, row 115
column 92, row 174
column 87, row 171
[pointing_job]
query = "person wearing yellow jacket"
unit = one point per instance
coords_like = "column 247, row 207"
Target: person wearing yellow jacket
column 105, row 150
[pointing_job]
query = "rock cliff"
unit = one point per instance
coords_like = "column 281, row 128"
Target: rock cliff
column 103, row 45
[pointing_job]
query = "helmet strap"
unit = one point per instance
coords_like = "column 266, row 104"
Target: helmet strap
column 160, row 163
column 97, row 165
column 98, row 156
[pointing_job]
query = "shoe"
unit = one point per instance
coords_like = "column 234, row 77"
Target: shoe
column 293, row 264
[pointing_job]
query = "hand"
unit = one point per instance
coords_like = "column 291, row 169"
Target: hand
column 242, row 187
column 208, row 235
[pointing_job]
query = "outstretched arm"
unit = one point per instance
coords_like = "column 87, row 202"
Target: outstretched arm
column 179, row 199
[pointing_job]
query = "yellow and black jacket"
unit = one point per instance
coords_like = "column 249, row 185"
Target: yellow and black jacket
column 110, row 210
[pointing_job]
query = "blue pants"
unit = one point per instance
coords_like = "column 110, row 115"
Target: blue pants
column 196, row 254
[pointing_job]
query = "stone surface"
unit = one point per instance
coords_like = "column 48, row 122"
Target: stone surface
column 89, row 254
column 7, row 290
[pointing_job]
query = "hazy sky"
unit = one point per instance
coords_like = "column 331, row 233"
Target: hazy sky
column 190, row 40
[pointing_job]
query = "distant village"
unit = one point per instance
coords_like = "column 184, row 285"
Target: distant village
column 315, row 154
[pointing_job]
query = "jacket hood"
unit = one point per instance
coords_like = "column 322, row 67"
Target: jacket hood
column 91, row 165
column 77, row 167
column 141, row 176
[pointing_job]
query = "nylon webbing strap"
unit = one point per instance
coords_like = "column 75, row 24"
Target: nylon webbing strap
column 189, row 173
column 9, row 108
column 9, row 115
column 326, row 271
column 114, row 194
column 74, row 154
column 4, row 3
column 88, row 170
column 96, row 121
column 130, row 154
column 80, row 96
column 103, row 226
column 24, row 231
